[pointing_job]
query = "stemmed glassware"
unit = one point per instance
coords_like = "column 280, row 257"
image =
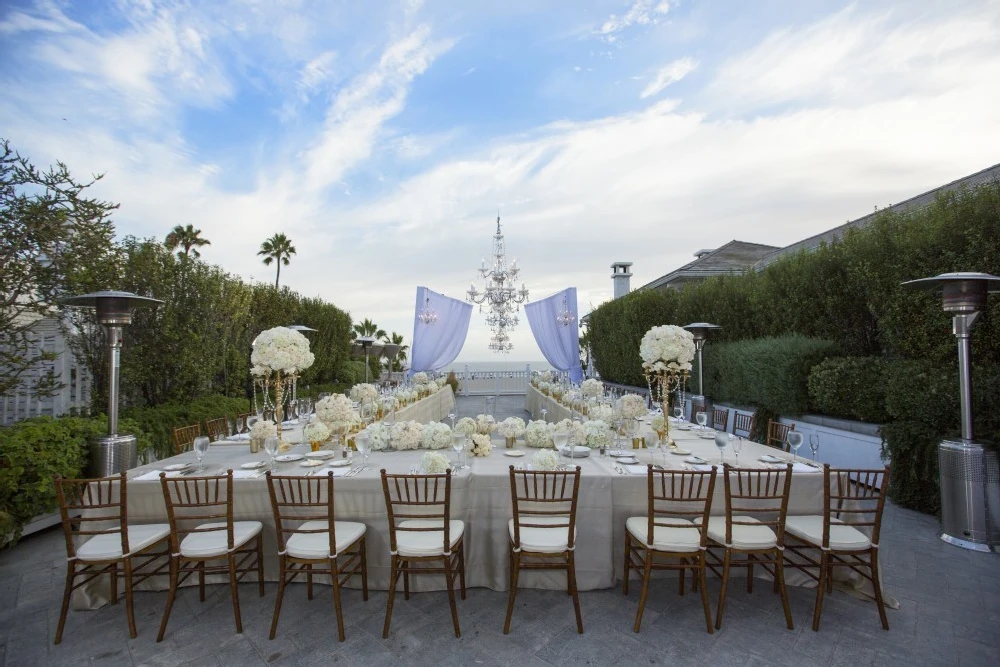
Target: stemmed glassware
column 271, row 444
column 560, row 439
column 458, row 444
column 303, row 418
column 363, row 441
column 241, row 424
column 545, row 415
column 814, row 444
column 201, row 444
column 737, row 443
column 678, row 412
column 451, row 416
column 721, row 440
column 702, row 419
column 794, row 441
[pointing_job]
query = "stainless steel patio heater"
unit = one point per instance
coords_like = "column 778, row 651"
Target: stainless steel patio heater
column 969, row 471
column 700, row 402
column 390, row 351
column 368, row 346
column 114, row 452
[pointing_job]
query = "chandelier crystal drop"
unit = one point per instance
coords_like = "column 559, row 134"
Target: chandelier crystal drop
column 500, row 299
column 565, row 316
column 427, row 316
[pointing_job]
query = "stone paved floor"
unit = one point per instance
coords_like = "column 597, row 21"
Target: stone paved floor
column 949, row 613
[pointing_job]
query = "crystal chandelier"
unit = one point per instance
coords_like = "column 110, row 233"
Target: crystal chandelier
column 427, row 316
column 500, row 300
column 565, row 317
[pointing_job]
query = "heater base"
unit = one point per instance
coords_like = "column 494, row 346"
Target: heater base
column 966, row 544
column 111, row 454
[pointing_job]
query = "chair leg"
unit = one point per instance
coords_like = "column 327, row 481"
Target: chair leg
column 700, row 579
column 337, row 608
column 114, row 583
column 129, row 608
column 877, row 585
column 820, row 590
column 628, row 555
column 646, row 572
column 393, row 576
column 450, row 576
column 234, row 589
column 170, row 598
column 461, row 566
column 750, row 561
column 309, row 582
column 282, row 578
column 571, row 576
column 364, row 570
column 201, row 581
column 67, row 592
column 779, row 575
column 680, row 577
column 722, row 591
column 515, row 567
column 260, row 566
column 406, row 581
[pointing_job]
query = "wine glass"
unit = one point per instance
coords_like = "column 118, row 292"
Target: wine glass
column 303, row 420
column 721, row 440
column 545, row 414
column 794, row 440
column 451, row 416
column 737, row 443
column 241, row 424
column 458, row 444
column 678, row 413
column 560, row 439
column 701, row 418
column 201, row 444
column 271, row 444
column 363, row 441
column 814, row 444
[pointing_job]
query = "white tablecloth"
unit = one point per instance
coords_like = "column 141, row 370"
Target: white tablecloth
column 535, row 401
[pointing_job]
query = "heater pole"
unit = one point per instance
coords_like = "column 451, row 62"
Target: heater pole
column 962, row 325
column 114, row 376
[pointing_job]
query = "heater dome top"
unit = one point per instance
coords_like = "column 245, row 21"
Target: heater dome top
column 114, row 307
column 961, row 291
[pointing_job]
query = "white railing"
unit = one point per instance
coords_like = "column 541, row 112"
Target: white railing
column 493, row 383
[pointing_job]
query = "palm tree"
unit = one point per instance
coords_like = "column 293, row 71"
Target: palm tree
column 187, row 238
column 368, row 328
column 277, row 249
column 397, row 339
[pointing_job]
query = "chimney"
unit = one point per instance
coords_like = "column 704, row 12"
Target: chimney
column 620, row 276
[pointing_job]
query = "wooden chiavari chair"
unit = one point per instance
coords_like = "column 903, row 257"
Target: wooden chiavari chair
column 543, row 530
column 202, row 530
column 845, row 535
column 743, row 423
column 94, row 549
column 668, row 538
column 217, row 429
column 777, row 434
column 184, row 437
column 314, row 546
column 720, row 419
column 421, row 533
column 746, row 540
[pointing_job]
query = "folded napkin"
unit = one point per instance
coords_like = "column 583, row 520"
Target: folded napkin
column 248, row 474
column 700, row 467
column 635, row 469
column 239, row 436
column 290, row 422
column 804, row 467
column 337, row 472
column 154, row 475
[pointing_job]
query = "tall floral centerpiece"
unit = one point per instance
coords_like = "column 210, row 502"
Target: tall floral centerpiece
column 667, row 352
column 279, row 355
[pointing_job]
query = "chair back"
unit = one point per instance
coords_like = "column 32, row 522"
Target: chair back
column 191, row 501
column 184, row 437
column 88, row 506
column 679, row 494
column 720, row 419
column 777, row 434
column 217, row 429
column 743, row 423
column 297, row 499
column 424, row 497
column 759, row 492
column 856, row 497
column 544, row 499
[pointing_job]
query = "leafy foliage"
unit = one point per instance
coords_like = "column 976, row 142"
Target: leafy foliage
column 156, row 424
column 188, row 238
column 277, row 249
column 849, row 388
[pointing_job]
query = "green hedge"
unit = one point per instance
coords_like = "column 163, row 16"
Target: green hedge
column 849, row 388
column 617, row 327
column 157, row 424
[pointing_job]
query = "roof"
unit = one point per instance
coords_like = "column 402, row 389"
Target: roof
column 732, row 257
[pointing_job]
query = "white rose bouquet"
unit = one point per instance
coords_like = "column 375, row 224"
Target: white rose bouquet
column 512, row 427
column 604, row 413
column 538, row 435
column 632, row 406
column 379, row 436
column 420, row 378
column 592, row 388
column 667, row 348
column 407, row 435
column 434, row 463
column 466, row 425
column 596, row 434
column 485, row 424
column 263, row 428
column 437, row 436
column 545, row 459
column 481, row 445
column 280, row 350
column 315, row 431
column 364, row 393
column 336, row 409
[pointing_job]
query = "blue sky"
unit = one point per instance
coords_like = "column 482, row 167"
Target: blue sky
column 382, row 137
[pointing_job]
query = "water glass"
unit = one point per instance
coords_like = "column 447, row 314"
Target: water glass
column 794, row 442
column 701, row 418
column 458, row 444
column 678, row 412
column 721, row 440
column 201, row 444
column 363, row 441
column 737, row 443
column 271, row 444
column 241, row 424
column 814, row 444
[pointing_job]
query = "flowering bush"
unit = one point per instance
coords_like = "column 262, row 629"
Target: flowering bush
column 280, row 349
column 263, row 428
column 538, row 435
column 592, row 388
column 596, row 434
column 420, row 378
column 466, row 425
column 481, row 445
column 512, row 427
column 379, row 436
column 485, row 424
column 364, row 393
column 315, row 431
column 667, row 348
column 437, row 436
column 434, row 463
column 632, row 406
column 407, row 435
column 336, row 409
column 545, row 459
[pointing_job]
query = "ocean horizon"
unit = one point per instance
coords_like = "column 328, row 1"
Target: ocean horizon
column 505, row 365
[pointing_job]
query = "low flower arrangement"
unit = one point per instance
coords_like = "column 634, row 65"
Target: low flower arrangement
column 420, row 378
column 437, row 436
column 466, row 426
column 481, row 445
column 364, row 393
column 389, row 403
column 596, row 434
column 592, row 388
column 336, row 411
column 632, row 406
column 407, row 435
column 545, row 459
column 538, row 435
column 315, row 431
column 379, row 436
column 577, row 435
column 658, row 423
column 434, row 463
column 263, row 428
column 603, row 413
column 485, row 424
column 512, row 427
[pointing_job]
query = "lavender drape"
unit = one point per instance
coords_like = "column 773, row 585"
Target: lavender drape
column 436, row 345
column 559, row 344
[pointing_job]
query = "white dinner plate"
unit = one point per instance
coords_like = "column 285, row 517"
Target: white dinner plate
column 322, row 454
column 339, row 463
column 683, row 426
column 513, row 452
column 697, row 460
column 311, row 463
column 253, row 465
column 173, row 467
column 767, row 458
column 288, row 458
column 707, row 435
column 617, row 453
column 576, row 452
column 288, row 427
column 628, row 461
column 680, row 452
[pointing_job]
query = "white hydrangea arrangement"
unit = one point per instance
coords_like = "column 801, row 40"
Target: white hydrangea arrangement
column 379, row 436
column 667, row 348
column 592, row 388
column 602, row 412
column 512, row 427
column 544, row 387
column 364, row 393
column 545, row 376
column 434, row 463
column 538, row 435
column 420, row 378
column 658, row 423
column 315, row 431
column 485, row 424
column 481, row 445
column 575, row 430
column 557, row 390
column 437, row 436
column 596, row 434
column 632, row 406
column 407, row 435
column 281, row 350
column 466, row 426
column 263, row 428
column 336, row 410
column 389, row 403
column 545, row 459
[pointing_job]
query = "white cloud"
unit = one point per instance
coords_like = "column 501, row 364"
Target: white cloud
column 641, row 12
column 669, row 74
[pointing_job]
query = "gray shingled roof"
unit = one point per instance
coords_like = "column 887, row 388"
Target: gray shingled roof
column 732, row 257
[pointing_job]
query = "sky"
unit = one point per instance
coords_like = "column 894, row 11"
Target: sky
column 383, row 137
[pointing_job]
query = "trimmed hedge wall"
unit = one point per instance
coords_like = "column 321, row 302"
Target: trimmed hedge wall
column 157, row 424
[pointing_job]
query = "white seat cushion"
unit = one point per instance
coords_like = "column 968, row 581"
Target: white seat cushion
column 744, row 537
column 426, row 543
column 843, row 537
column 108, row 546
column 317, row 545
column 681, row 536
column 213, row 543
column 543, row 540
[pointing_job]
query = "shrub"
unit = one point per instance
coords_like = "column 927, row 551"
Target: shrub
column 453, row 381
column 157, row 423
column 849, row 388
column 616, row 328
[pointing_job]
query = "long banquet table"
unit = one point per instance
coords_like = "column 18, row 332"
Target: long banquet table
column 481, row 498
